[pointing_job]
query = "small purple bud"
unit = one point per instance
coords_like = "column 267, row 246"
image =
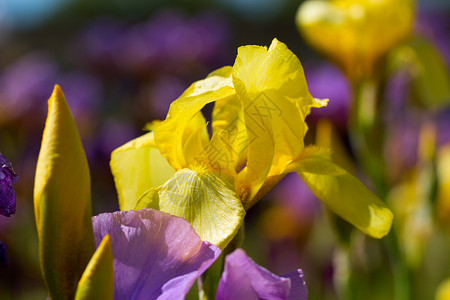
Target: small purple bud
column 7, row 195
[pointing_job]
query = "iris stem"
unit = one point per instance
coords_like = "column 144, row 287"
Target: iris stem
column 210, row 279
column 367, row 135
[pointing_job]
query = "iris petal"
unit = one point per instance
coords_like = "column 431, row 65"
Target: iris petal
column 244, row 279
column 138, row 166
column 343, row 193
column 7, row 194
column 176, row 129
column 205, row 199
column 272, row 89
column 156, row 255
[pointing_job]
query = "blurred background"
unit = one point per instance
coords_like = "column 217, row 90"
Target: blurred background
column 121, row 63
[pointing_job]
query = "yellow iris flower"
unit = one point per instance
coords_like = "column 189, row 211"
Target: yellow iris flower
column 258, row 127
column 355, row 34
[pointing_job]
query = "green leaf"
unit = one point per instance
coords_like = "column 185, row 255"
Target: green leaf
column 425, row 65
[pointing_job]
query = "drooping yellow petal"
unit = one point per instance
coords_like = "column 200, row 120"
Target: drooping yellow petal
column 171, row 134
column 355, row 34
column 62, row 202
column 207, row 200
column 343, row 193
column 272, row 89
column 97, row 281
column 138, row 166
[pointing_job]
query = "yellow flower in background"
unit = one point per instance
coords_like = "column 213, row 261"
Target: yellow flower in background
column 355, row 34
column 443, row 290
column 257, row 132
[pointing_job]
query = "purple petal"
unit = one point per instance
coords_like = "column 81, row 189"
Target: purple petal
column 244, row 279
column 3, row 259
column 156, row 255
column 235, row 284
column 298, row 285
column 7, row 196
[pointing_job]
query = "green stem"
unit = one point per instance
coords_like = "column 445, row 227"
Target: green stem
column 367, row 136
column 211, row 277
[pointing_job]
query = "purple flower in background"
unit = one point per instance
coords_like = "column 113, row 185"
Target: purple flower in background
column 163, row 92
column 170, row 42
column 293, row 193
column 3, row 259
column 140, row 49
column 84, row 93
column 112, row 134
column 7, row 195
column 156, row 255
column 435, row 24
column 244, row 279
column 401, row 145
column 25, row 85
column 99, row 40
column 327, row 81
column 214, row 31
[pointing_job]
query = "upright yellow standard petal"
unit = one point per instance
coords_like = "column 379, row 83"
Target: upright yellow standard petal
column 272, row 89
column 97, row 281
column 62, row 202
column 138, row 166
column 183, row 118
column 344, row 194
column 206, row 200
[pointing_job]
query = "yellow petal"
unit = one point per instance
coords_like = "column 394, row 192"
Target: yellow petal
column 355, row 34
column 195, row 138
column 62, row 201
column 176, row 129
column 344, row 194
column 215, row 157
column 206, row 200
column 272, row 89
column 97, row 281
column 228, row 116
column 138, row 166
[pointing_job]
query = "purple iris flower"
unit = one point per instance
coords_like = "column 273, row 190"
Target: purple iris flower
column 99, row 40
column 156, row 255
column 435, row 24
column 7, row 195
column 24, row 84
column 84, row 93
column 327, row 81
column 3, row 259
column 244, row 279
